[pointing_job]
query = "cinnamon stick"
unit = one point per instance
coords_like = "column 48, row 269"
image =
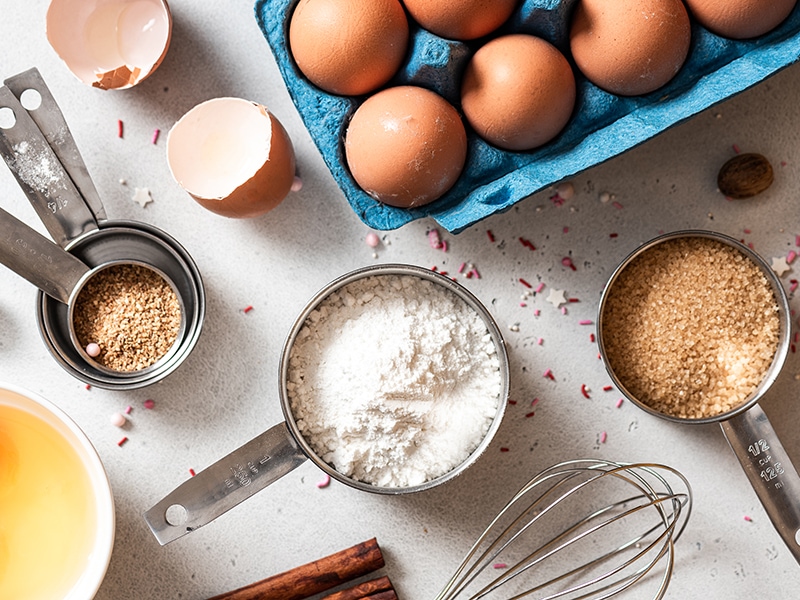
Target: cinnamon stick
column 315, row 577
column 362, row 590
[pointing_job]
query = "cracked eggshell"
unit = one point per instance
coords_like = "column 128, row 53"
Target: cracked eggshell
column 110, row 44
column 232, row 156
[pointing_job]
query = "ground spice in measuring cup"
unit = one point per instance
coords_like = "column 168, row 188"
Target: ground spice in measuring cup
column 690, row 327
column 131, row 312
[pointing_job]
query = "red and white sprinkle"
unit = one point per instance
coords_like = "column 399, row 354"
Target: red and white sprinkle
column 549, row 374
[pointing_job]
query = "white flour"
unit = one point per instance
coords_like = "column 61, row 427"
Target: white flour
column 394, row 380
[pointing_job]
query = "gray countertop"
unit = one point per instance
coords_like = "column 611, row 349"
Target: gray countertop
column 227, row 390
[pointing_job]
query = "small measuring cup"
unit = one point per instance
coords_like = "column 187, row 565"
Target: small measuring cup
column 282, row 448
column 40, row 152
column 746, row 426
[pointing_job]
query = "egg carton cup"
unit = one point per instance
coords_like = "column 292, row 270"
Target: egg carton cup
column 602, row 126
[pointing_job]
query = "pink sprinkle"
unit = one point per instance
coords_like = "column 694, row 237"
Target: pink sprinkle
column 525, row 283
column 616, row 205
column 557, row 199
column 297, row 184
column 736, row 149
column 155, row 135
column 372, row 239
column 792, row 285
column 326, row 481
column 748, row 519
column 474, row 271
column 567, row 262
column 523, row 304
column 791, row 256
column 500, row 565
column 585, row 322
column 490, row 235
column 444, row 245
column 537, row 312
column 566, row 230
column 128, row 409
column 247, row 309
column 434, row 240
column 603, row 437
column 540, row 341
column 527, row 243
column 797, row 240
column 585, row 391
column 619, row 402
column 539, row 287
column 549, row 374
column 119, row 128
column 122, row 441
column 563, row 310
column 149, row 404
column 192, row 473
column 747, row 231
column 534, row 402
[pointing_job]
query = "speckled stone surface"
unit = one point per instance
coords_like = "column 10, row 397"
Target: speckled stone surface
column 226, row 392
column 603, row 125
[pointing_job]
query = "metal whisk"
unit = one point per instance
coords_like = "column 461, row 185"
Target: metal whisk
column 622, row 521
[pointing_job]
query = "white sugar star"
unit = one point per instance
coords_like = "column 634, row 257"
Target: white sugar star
column 556, row 297
column 780, row 266
column 142, row 196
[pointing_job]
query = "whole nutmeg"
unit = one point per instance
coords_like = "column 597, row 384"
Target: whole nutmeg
column 745, row 175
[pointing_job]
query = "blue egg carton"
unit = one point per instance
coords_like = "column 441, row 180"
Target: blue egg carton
column 602, row 126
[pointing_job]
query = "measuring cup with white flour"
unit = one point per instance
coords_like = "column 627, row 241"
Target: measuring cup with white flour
column 393, row 380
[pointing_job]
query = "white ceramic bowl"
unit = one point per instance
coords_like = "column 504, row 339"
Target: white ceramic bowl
column 82, row 583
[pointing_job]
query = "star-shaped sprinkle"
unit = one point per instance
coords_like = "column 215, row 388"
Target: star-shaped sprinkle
column 556, row 297
column 780, row 266
column 142, row 197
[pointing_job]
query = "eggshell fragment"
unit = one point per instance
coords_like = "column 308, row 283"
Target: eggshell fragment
column 232, row 156
column 630, row 47
column 740, row 19
column 348, row 47
column 406, row 146
column 460, row 19
column 518, row 92
column 110, row 44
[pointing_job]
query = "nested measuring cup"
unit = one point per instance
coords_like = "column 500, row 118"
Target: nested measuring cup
column 36, row 144
column 282, row 448
column 745, row 425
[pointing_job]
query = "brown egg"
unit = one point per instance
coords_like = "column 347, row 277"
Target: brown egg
column 460, row 19
column 630, row 47
column 518, row 92
column 740, row 19
column 348, row 47
column 232, row 156
column 406, row 146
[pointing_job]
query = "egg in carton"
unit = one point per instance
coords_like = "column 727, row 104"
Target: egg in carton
column 602, row 124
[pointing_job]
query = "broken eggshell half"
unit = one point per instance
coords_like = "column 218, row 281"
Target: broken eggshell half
column 110, row 44
column 232, row 156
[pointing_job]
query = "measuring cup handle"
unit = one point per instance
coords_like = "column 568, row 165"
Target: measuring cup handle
column 769, row 470
column 31, row 255
column 229, row 481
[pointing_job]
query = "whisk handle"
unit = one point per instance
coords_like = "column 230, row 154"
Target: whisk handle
column 770, row 471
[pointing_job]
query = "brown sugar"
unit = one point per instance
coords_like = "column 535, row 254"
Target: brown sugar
column 690, row 327
column 131, row 313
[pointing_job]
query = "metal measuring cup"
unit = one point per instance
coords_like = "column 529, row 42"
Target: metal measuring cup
column 282, row 448
column 746, row 427
column 41, row 153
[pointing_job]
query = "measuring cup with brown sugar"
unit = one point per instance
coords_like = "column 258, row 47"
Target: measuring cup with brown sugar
column 694, row 327
column 121, row 303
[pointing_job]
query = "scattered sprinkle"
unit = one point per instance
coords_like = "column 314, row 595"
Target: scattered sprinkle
column 791, row 256
column 326, row 481
column 607, row 388
column 536, row 312
column 461, row 268
column 549, row 374
column 616, row 205
column 591, row 337
column 500, row 565
column 748, row 519
column 780, row 266
column 534, row 402
column 525, row 283
column 539, row 287
column 142, row 197
column 563, row 310
column 504, row 449
column 128, row 409
column 540, row 341
column 797, row 240
column 88, row 387
column 122, row 441
column 149, row 404
column 620, row 402
column 603, row 437
column 529, row 415
column 736, row 149
column 573, row 300
column 156, row 133
column 118, row 420
column 474, row 271
column 585, row 391
column 556, row 297
column 93, row 350
column 527, row 243
column 523, row 304
column 119, row 128
column 297, row 184
column 514, row 327
column 792, row 285
column 567, row 262
column 247, row 308
column 434, row 240
column 192, row 473
column 512, row 402
column 490, row 235
column 613, row 235
column 372, row 239
column 604, row 197
column 585, row 322
column 565, row 229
